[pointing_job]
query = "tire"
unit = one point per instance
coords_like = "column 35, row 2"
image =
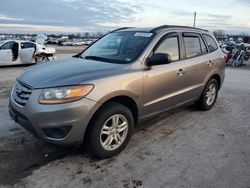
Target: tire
column 236, row 64
column 41, row 59
column 204, row 103
column 99, row 134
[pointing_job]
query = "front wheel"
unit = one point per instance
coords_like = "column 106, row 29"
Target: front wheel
column 209, row 95
column 110, row 130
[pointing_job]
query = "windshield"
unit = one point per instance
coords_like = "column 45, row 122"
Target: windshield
column 119, row 47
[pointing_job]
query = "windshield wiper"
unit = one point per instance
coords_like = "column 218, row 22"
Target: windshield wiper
column 97, row 58
column 78, row 56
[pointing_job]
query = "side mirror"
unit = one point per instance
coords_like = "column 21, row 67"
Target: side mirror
column 159, row 59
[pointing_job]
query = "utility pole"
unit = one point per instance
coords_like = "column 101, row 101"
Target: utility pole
column 194, row 18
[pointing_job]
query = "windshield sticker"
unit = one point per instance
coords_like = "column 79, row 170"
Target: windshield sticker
column 143, row 34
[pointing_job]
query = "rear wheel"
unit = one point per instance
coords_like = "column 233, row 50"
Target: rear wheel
column 42, row 58
column 209, row 95
column 110, row 131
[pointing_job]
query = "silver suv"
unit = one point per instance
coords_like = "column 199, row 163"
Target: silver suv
column 127, row 76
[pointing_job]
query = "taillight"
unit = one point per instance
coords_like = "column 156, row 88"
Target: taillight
column 226, row 57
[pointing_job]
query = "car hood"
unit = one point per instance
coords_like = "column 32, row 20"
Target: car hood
column 71, row 71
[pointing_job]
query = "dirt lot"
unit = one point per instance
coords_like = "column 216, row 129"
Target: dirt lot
column 181, row 148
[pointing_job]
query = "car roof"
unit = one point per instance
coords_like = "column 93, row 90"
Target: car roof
column 16, row 40
column 5, row 41
column 159, row 28
column 139, row 29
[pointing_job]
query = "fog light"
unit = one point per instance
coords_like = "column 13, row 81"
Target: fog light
column 57, row 133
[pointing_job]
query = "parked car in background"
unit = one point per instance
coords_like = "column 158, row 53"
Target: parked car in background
column 129, row 75
column 51, row 42
column 79, row 43
column 67, row 43
column 73, row 43
column 88, row 42
column 13, row 52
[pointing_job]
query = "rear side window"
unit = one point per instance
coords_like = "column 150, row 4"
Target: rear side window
column 212, row 46
column 27, row 45
column 192, row 46
column 170, row 46
column 203, row 47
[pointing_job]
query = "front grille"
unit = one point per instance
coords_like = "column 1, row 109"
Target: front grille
column 21, row 93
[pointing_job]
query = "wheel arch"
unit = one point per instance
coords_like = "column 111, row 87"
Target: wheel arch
column 125, row 100
column 216, row 77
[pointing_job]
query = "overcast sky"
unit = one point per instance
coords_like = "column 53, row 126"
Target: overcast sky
column 58, row 16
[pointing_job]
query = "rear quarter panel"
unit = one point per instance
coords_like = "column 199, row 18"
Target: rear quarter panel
column 219, row 65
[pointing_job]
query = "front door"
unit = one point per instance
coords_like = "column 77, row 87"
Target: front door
column 163, row 84
column 6, row 53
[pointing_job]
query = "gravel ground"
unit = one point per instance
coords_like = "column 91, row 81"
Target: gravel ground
column 68, row 49
column 181, row 148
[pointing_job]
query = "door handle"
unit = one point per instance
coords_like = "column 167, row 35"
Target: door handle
column 180, row 72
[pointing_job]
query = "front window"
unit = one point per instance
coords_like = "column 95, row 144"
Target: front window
column 2, row 42
column 171, row 47
column 119, row 47
column 7, row 45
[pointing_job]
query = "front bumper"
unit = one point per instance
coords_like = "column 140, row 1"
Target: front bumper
column 40, row 119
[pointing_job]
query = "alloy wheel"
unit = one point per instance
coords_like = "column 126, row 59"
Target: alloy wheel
column 211, row 94
column 114, row 132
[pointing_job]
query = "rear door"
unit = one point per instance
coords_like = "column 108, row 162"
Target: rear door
column 197, row 64
column 27, row 52
column 6, row 53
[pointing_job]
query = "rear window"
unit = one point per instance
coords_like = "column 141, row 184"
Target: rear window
column 212, row 46
column 27, row 45
column 192, row 46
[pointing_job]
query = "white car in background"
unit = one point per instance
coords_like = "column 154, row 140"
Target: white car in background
column 73, row 43
column 89, row 42
column 67, row 43
column 13, row 52
column 79, row 43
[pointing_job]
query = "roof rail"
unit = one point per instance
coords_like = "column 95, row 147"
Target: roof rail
column 174, row 26
column 121, row 29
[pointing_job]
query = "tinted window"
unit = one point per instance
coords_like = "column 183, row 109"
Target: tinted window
column 7, row 45
column 192, row 46
column 212, row 46
column 2, row 42
column 171, row 47
column 27, row 45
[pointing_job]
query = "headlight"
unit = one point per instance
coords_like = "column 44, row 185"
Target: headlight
column 61, row 95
